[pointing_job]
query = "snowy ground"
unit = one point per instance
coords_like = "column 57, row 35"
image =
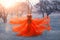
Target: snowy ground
column 7, row 34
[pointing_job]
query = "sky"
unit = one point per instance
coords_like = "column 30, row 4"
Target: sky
column 8, row 3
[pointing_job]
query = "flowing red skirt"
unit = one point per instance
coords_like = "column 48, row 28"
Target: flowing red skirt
column 35, row 28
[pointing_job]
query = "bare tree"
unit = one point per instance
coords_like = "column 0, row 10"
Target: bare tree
column 3, row 15
column 48, row 6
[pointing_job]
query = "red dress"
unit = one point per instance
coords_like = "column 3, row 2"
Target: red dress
column 30, row 27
